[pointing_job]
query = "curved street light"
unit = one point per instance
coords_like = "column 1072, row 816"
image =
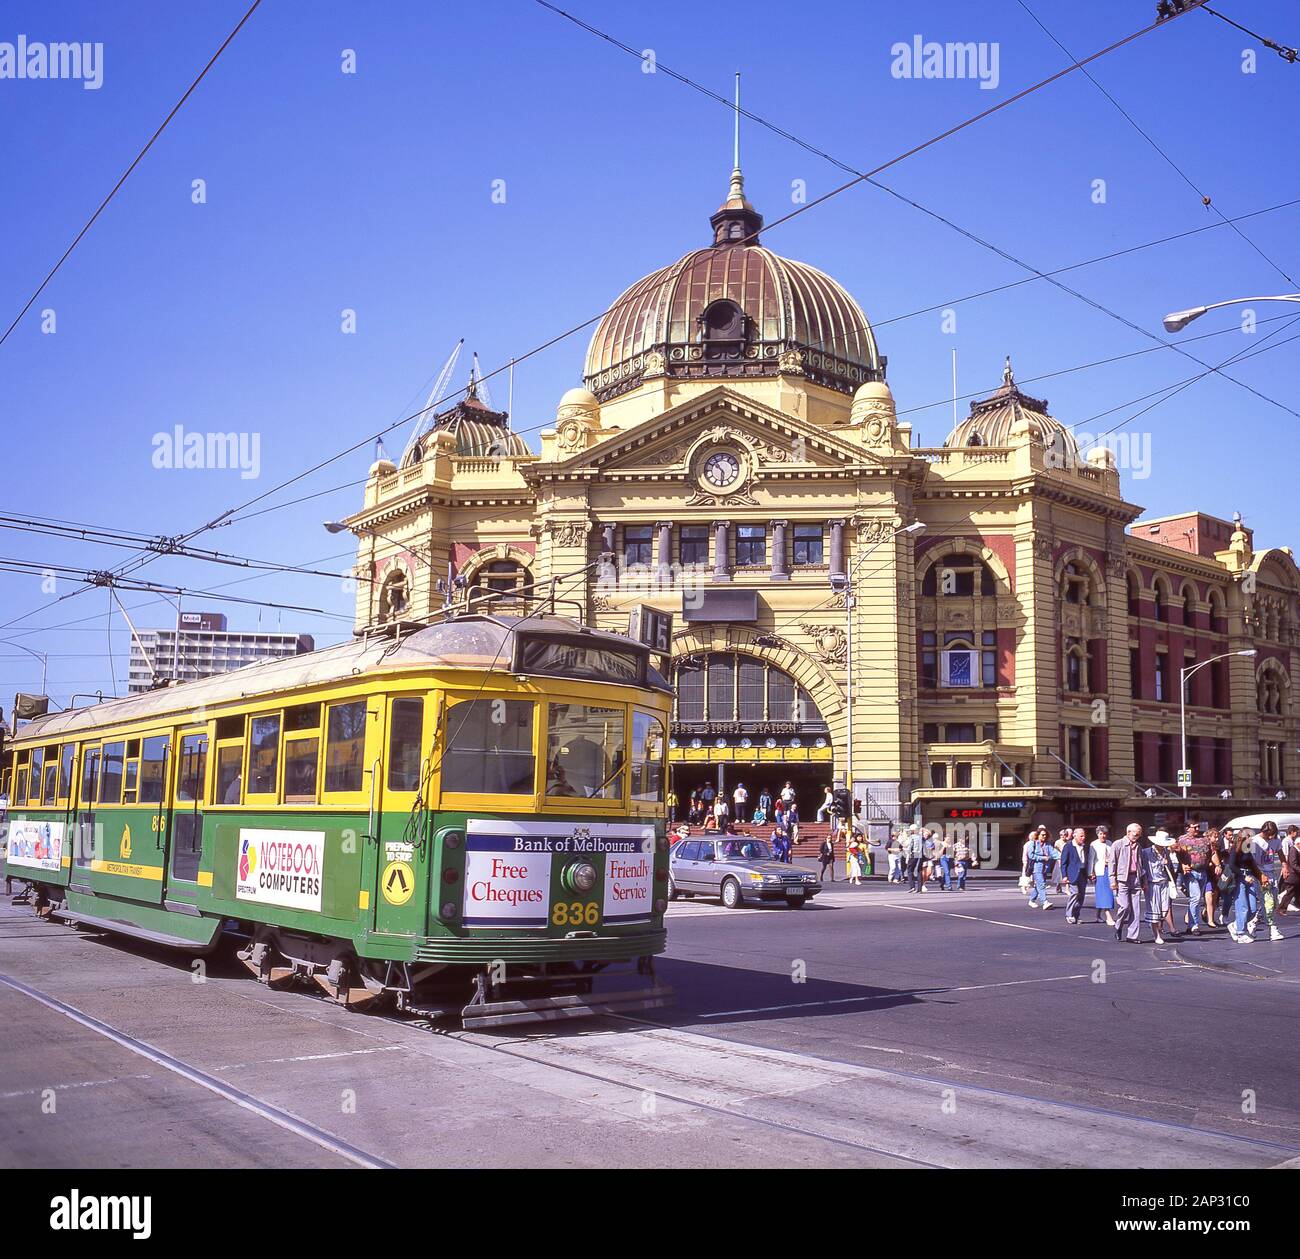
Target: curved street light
column 1183, row 675
column 40, row 655
column 1177, row 320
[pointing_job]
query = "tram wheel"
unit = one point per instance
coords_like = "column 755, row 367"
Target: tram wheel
column 731, row 896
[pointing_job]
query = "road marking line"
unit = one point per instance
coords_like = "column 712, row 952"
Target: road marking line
column 924, row 992
column 281, row 1118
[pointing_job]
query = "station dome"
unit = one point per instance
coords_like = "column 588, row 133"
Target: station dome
column 733, row 309
column 997, row 419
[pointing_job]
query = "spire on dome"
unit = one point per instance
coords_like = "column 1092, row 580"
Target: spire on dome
column 736, row 221
column 1008, row 380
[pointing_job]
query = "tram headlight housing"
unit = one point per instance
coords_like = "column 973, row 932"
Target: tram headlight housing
column 580, row 877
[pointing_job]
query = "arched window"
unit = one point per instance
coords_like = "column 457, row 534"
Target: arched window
column 1076, row 584
column 1134, row 594
column 1189, row 605
column 725, row 686
column 498, row 583
column 394, row 597
column 1218, row 613
column 722, row 328
column 1076, row 666
column 959, row 575
column 1161, row 588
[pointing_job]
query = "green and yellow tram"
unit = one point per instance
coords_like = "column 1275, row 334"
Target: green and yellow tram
column 465, row 819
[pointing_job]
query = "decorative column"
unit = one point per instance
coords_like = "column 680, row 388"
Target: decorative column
column 779, row 570
column 665, row 551
column 721, row 550
column 837, row 549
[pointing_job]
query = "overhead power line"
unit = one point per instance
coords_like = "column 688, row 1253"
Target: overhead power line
column 139, row 157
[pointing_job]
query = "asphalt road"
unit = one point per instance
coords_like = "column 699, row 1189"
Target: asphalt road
column 872, row 1028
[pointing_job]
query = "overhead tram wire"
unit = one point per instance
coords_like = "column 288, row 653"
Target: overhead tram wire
column 1178, row 170
column 867, row 176
column 139, row 157
column 858, row 178
column 1287, row 54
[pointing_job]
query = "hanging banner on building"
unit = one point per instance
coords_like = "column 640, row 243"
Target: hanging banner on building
column 38, row 845
column 957, row 668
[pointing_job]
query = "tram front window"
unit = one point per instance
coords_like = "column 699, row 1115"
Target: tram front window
column 585, row 752
column 489, row 747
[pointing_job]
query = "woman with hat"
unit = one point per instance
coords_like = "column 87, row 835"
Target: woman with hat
column 1154, row 878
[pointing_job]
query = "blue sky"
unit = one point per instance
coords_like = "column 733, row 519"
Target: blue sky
column 373, row 192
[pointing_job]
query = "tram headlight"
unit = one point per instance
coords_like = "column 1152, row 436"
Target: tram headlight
column 580, row 877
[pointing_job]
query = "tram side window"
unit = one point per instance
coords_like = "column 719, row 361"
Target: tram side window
column 192, row 768
column 585, row 752
column 647, row 757
column 110, row 778
column 490, row 747
column 230, row 771
column 300, row 759
column 153, row 768
column 405, row 729
column 32, row 794
column 89, row 776
column 345, row 739
column 131, row 774
column 263, row 755
column 50, row 786
column 66, row 756
column 20, row 786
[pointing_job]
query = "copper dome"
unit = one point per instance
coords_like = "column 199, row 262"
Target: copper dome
column 733, row 309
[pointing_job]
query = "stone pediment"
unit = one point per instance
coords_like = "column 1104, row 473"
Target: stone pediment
column 676, row 444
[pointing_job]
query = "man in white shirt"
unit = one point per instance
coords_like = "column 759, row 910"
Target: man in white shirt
column 740, row 798
column 1266, row 848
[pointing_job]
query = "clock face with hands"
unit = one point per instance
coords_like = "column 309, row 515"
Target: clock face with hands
column 721, row 469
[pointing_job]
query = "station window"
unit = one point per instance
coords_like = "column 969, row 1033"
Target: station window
column 638, row 542
column 110, row 775
column 490, row 747
column 694, row 544
column 647, row 757
column 345, row 741
column 153, row 768
column 405, row 735
column 264, row 755
column 585, row 752
column 751, row 544
column 808, row 544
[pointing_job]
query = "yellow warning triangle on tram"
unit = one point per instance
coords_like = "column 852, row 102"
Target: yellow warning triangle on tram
column 124, row 848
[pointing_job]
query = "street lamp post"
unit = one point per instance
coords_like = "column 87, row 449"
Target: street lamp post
column 846, row 583
column 40, row 655
column 1177, row 320
column 1183, row 675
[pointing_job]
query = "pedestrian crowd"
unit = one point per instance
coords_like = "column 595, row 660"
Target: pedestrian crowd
column 919, row 856
column 1237, row 878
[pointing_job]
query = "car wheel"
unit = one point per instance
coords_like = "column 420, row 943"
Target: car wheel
column 731, row 896
column 673, row 892
column 796, row 902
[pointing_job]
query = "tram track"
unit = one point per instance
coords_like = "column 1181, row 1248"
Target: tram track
column 187, row 1071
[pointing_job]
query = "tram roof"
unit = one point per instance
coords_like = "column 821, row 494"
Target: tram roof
column 468, row 642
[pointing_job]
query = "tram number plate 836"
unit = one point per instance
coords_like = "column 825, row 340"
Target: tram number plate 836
column 575, row 914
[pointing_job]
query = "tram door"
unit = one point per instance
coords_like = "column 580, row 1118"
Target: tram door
column 184, row 851
column 401, row 856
